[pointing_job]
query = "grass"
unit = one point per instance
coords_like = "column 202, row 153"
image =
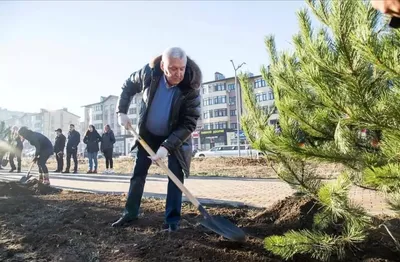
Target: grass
column 211, row 167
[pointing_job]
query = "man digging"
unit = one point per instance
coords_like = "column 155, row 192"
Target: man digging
column 44, row 149
column 168, row 115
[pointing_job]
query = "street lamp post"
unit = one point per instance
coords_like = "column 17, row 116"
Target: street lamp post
column 238, row 111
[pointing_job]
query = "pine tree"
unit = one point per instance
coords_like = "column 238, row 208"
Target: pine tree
column 337, row 95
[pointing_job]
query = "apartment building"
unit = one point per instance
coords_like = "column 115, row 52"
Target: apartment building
column 46, row 121
column 104, row 112
column 7, row 114
column 219, row 107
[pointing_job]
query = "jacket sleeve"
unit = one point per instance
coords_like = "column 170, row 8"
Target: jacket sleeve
column 85, row 139
column 34, row 141
column 78, row 139
column 62, row 142
column 112, row 138
column 98, row 138
column 132, row 86
column 187, row 122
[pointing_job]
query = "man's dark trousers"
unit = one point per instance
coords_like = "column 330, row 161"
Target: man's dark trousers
column 60, row 161
column 73, row 153
column 12, row 164
column 138, row 180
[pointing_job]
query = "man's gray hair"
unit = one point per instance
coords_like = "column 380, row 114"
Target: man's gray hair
column 174, row 52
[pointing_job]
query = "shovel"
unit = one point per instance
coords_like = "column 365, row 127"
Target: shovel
column 4, row 161
column 28, row 174
column 217, row 224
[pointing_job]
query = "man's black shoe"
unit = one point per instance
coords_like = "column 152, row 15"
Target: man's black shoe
column 66, row 172
column 124, row 220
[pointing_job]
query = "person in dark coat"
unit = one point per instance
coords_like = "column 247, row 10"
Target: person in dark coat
column 92, row 140
column 168, row 115
column 74, row 138
column 44, row 149
column 59, row 146
column 17, row 146
column 107, row 147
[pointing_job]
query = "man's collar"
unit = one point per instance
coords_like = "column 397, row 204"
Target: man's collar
column 166, row 82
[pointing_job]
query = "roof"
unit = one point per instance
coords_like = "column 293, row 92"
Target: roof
column 226, row 79
column 66, row 111
column 100, row 102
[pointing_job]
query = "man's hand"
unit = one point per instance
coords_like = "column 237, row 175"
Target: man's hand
column 162, row 153
column 389, row 7
column 124, row 120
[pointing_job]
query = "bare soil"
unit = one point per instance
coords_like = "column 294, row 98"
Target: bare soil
column 40, row 223
column 215, row 167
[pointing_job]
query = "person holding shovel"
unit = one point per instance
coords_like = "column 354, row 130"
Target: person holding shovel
column 170, row 108
column 44, row 149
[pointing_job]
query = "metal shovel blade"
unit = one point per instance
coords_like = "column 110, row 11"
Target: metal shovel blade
column 224, row 227
column 28, row 174
column 25, row 178
column 4, row 162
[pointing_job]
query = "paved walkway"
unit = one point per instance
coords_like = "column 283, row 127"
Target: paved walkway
column 235, row 191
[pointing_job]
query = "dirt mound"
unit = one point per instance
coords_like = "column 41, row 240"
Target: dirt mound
column 296, row 211
column 76, row 227
column 32, row 187
column 235, row 161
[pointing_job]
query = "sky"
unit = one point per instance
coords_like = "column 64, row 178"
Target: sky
column 56, row 54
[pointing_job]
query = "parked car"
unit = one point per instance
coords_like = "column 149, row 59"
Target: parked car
column 229, row 151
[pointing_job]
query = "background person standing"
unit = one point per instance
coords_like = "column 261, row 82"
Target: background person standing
column 92, row 140
column 74, row 138
column 59, row 146
column 107, row 147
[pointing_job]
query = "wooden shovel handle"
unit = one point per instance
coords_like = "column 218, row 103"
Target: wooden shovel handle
column 161, row 164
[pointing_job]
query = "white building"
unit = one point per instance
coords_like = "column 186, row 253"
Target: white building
column 218, row 122
column 46, row 121
column 104, row 112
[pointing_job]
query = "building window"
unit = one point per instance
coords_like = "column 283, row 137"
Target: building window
column 98, row 126
column 233, row 125
column 233, row 112
column 207, row 101
column 259, row 83
column 208, row 126
column 98, row 117
column 132, row 111
column 258, row 97
column 231, row 86
column 264, row 96
column 220, row 87
column 134, row 121
column 270, row 95
column 220, row 112
column 220, row 125
column 208, row 114
column 219, row 100
column 98, row 108
column 232, row 100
